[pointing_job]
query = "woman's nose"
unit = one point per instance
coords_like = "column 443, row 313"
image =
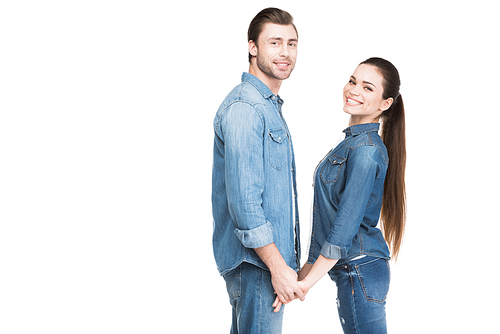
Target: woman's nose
column 355, row 91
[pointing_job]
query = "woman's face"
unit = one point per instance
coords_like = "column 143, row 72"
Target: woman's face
column 363, row 95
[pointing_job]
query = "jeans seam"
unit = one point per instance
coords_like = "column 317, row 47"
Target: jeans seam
column 353, row 300
column 261, row 280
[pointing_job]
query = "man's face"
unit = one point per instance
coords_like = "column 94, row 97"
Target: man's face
column 276, row 51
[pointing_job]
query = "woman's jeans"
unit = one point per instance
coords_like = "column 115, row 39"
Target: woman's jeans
column 362, row 286
column 251, row 295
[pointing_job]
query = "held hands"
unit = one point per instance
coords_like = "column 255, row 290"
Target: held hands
column 283, row 278
column 309, row 275
column 304, row 289
column 303, row 285
column 286, row 286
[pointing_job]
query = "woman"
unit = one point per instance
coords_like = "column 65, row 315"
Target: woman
column 357, row 182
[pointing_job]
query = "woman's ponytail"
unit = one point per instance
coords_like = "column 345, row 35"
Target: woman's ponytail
column 393, row 214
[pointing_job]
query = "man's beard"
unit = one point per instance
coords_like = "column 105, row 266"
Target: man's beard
column 266, row 69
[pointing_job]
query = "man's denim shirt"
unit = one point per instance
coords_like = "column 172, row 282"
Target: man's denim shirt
column 348, row 189
column 253, row 171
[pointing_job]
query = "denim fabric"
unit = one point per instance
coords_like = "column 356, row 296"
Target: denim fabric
column 348, row 189
column 251, row 295
column 253, row 178
column 362, row 287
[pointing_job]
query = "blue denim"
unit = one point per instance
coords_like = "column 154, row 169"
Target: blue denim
column 253, row 178
column 362, row 287
column 348, row 190
column 251, row 295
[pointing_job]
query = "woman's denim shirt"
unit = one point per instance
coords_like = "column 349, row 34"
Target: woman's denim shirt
column 348, row 189
column 253, row 170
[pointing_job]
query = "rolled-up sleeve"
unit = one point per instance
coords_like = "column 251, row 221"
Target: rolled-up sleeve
column 361, row 169
column 243, row 132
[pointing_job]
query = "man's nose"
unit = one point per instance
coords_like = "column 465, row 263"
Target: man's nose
column 284, row 50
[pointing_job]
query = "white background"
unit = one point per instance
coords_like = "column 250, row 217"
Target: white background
column 106, row 149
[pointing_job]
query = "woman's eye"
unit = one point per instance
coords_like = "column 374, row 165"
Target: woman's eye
column 352, row 82
column 369, row 89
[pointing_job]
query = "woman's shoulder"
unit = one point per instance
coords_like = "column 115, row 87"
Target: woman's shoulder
column 369, row 148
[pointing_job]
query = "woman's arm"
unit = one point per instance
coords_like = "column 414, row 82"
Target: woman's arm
column 318, row 270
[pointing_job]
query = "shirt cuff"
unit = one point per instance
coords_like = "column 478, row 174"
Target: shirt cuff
column 257, row 237
column 331, row 251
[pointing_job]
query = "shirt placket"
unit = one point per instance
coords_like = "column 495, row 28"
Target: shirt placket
column 295, row 209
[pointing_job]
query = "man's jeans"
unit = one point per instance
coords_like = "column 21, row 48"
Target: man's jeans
column 251, row 295
column 362, row 288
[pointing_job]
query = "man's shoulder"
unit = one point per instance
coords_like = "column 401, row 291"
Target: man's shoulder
column 244, row 96
column 245, row 92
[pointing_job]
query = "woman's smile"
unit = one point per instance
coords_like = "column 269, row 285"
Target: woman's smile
column 352, row 102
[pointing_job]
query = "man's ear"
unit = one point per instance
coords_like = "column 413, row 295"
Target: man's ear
column 252, row 48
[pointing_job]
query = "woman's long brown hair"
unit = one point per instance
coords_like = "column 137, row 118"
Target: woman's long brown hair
column 393, row 215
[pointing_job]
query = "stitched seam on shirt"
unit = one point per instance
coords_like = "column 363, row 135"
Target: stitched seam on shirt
column 255, row 86
column 253, row 105
column 375, row 145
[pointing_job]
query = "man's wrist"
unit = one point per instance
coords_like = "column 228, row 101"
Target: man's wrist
column 271, row 256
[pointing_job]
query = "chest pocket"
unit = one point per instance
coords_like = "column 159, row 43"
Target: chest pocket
column 278, row 149
column 332, row 169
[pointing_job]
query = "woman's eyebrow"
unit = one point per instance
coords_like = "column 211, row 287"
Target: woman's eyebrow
column 366, row 82
column 369, row 83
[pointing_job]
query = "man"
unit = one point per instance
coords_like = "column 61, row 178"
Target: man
column 254, row 203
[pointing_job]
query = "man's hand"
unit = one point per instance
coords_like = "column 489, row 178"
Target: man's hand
column 283, row 278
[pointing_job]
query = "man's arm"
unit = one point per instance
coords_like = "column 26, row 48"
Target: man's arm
column 243, row 132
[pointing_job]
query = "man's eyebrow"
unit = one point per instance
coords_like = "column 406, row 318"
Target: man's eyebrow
column 280, row 39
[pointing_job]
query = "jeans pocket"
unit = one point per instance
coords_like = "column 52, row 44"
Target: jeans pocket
column 374, row 278
column 233, row 283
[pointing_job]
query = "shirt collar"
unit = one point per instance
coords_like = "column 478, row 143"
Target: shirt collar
column 254, row 81
column 361, row 128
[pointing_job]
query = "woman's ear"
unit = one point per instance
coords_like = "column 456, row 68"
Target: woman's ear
column 386, row 104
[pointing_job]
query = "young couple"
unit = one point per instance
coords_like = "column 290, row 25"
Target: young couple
column 254, row 194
